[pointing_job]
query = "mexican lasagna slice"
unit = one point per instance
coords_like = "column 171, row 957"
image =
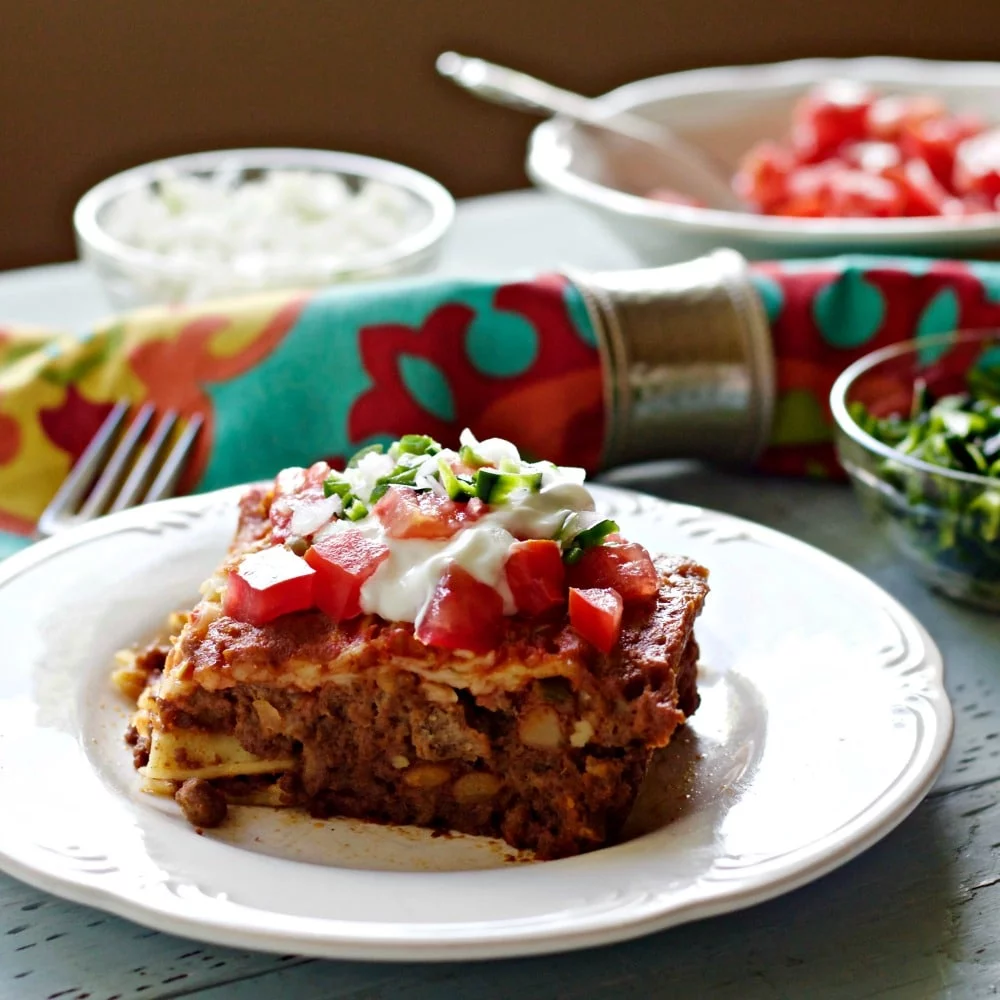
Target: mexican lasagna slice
column 453, row 639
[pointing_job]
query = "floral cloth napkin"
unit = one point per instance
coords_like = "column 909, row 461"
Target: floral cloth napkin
column 289, row 378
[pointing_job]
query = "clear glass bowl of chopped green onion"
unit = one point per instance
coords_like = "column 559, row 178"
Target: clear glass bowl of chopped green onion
column 918, row 431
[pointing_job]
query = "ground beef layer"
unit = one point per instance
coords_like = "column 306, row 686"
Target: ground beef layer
column 384, row 751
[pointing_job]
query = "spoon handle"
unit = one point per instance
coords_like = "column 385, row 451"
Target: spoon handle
column 518, row 90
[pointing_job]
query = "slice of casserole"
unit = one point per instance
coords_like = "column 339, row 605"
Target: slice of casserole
column 448, row 639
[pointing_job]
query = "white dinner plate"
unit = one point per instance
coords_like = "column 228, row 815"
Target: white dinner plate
column 823, row 723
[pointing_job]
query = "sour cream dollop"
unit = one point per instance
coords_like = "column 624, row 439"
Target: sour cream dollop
column 404, row 583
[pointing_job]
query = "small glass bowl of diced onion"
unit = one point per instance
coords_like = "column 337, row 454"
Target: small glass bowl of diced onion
column 230, row 222
column 918, row 431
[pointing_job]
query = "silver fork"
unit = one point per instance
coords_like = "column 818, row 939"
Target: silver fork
column 123, row 466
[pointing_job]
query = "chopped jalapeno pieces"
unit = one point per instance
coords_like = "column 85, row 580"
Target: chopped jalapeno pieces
column 336, row 485
column 458, row 487
column 500, row 487
column 490, row 471
column 467, row 456
column 415, row 444
column 582, row 531
column 355, row 511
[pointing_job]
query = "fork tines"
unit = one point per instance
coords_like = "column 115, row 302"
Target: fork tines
column 128, row 462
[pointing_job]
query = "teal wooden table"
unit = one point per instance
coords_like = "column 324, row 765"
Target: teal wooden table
column 917, row 916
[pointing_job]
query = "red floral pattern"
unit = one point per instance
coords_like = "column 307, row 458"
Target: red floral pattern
column 564, row 379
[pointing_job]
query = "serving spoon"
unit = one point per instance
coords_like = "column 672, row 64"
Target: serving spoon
column 645, row 154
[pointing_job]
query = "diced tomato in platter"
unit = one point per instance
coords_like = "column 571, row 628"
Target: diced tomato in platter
column 624, row 566
column 268, row 584
column 843, row 192
column 463, row 613
column 762, row 179
column 889, row 116
column 872, row 156
column 596, row 613
column 922, row 194
column 829, row 116
column 977, row 166
column 405, row 513
column 536, row 576
column 850, row 154
column 343, row 561
column 936, row 142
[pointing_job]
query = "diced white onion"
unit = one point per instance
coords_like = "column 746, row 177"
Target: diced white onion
column 311, row 515
column 287, row 226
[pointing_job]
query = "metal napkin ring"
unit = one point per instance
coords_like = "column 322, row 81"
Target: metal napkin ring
column 687, row 360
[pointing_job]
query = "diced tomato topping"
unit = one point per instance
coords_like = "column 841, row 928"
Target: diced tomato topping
column 922, row 194
column 977, row 166
column 268, row 584
column 936, row 141
column 405, row 513
column 463, row 613
column 536, row 576
column 596, row 613
column 829, row 116
column 762, row 179
column 889, row 116
column 624, row 566
column 295, row 488
column 343, row 561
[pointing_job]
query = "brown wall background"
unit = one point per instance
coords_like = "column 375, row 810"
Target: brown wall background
column 89, row 87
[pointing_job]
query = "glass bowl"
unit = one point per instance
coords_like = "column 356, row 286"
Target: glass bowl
column 946, row 523
column 421, row 210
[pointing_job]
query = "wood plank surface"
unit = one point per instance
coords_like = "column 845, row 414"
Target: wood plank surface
column 917, row 916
